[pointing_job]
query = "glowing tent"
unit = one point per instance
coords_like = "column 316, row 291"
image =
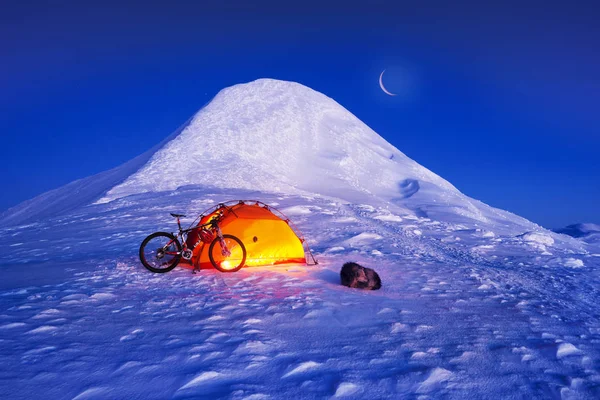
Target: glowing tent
column 268, row 235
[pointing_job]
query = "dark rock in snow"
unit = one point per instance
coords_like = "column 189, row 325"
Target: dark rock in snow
column 356, row 276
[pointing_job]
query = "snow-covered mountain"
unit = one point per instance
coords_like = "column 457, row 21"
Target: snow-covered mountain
column 476, row 302
column 275, row 136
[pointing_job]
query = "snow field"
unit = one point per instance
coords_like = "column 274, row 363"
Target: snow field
column 448, row 321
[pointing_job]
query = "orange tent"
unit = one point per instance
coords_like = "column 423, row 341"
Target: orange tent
column 267, row 234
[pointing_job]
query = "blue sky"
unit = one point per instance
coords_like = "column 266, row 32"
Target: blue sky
column 498, row 98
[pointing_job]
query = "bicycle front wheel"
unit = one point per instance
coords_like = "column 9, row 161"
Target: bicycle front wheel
column 228, row 256
column 160, row 252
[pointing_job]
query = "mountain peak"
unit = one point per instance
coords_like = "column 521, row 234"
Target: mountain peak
column 272, row 135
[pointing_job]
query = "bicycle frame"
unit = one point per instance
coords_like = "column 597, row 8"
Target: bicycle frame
column 182, row 235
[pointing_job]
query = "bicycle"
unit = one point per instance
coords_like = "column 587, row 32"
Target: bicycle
column 162, row 251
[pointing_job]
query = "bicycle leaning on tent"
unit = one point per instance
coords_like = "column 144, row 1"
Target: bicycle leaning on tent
column 162, row 251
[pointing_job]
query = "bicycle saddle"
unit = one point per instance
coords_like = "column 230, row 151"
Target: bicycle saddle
column 177, row 215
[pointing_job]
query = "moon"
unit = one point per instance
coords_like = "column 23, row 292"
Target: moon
column 383, row 87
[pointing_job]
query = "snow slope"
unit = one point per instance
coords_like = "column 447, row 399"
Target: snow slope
column 476, row 302
column 80, row 192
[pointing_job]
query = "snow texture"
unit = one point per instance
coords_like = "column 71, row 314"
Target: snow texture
column 476, row 302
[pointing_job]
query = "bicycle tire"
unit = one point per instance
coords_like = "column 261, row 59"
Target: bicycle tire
column 146, row 252
column 238, row 253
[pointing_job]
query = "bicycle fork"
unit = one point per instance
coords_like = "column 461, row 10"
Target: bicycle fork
column 224, row 250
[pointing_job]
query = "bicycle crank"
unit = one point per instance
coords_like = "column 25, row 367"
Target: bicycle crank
column 187, row 254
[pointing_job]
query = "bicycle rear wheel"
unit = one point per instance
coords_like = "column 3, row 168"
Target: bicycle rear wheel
column 232, row 258
column 160, row 252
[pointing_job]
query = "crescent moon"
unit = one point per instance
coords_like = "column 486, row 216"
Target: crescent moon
column 383, row 87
